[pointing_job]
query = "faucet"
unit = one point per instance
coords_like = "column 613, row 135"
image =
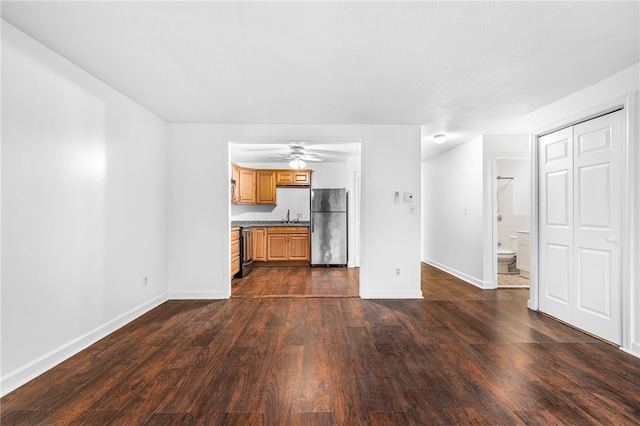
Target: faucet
column 288, row 213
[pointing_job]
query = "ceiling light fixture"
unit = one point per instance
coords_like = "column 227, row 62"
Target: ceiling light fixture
column 441, row 138
column 297, row 163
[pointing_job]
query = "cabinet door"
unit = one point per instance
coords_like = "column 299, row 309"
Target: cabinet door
column 247, row 186
column 284, row 177
column 293, row 177
column 277, row 247
column 302, row 177
column 299, row 247
column 266, row 193
column 260, row 244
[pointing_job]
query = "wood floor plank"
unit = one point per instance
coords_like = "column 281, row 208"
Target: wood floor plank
column 462, row 355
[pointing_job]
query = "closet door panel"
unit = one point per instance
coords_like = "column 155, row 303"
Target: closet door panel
column 598, row 226
column 556, row 225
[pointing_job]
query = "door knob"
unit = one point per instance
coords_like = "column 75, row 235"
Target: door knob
column 611, row 240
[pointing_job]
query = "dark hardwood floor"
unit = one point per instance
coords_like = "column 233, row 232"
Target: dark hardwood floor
column 285, row 281
column 460, row 356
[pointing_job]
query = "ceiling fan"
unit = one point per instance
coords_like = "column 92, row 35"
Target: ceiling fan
column 297, row 157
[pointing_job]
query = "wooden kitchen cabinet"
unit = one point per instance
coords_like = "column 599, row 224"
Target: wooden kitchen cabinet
column 258, row 186
column 299, row 247
column 293, row 177
column 260, row 244
column 235, row 251
column 247, row 186
column 288, row 243
column 266, row 187
column 277, row 247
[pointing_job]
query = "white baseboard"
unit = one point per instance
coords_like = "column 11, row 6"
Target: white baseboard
column 197, row 295
column 391, row 295
column 635, row 349
column 30, row 371
column 464, row 277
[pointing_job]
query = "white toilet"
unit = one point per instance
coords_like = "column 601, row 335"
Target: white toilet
column 507, row 257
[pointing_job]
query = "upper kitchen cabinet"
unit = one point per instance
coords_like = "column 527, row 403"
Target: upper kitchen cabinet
column 266, row 187
column 258, row 186
column 246, row 186
column 293, row 177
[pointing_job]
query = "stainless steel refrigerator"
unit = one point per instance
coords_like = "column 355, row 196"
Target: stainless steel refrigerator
column 329, row 227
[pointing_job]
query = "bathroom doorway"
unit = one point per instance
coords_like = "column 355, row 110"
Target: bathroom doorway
column 512, row 210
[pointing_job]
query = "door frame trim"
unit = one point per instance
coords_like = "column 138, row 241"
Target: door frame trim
column 629, row 243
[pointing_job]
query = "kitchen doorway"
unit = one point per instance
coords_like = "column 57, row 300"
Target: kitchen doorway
column 328, row 165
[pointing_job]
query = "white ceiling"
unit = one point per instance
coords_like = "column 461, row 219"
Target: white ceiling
column 462, row 68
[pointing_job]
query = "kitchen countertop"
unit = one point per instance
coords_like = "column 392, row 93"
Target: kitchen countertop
column 267, row 223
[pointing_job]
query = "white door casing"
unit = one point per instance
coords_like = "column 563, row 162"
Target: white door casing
column 580, row 225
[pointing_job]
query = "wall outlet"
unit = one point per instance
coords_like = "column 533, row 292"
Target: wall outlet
column 145, row 281
column 397, row 271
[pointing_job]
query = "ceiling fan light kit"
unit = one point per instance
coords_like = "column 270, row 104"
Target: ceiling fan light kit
column 297, row 164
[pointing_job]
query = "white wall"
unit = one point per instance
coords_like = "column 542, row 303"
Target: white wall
column 83, row 209
column 452, row 194
column 330, row 175
column 620, row 88
column 199, row 212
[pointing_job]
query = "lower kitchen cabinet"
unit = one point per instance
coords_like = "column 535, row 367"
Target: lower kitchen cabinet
column 299, row 247
column 235, row 251
column 259, row 244
column 287, row 243
column 277, row 247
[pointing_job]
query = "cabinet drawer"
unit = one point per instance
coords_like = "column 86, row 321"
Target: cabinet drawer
column 235, row 248
column 288, row 230
column 235, row 265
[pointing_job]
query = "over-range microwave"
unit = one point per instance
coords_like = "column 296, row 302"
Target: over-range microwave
column 233, row 189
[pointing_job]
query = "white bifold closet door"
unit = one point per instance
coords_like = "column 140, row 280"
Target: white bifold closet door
column 580, row 225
